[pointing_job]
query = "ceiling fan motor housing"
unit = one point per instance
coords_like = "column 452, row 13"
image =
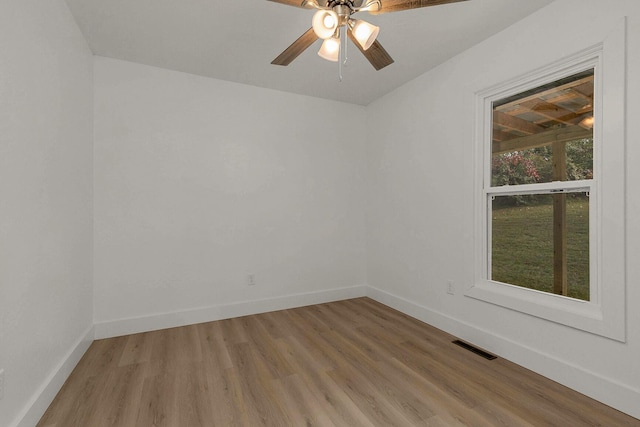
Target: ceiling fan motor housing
column 350, row 7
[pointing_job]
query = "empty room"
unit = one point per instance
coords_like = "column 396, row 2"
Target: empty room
column 319, row 212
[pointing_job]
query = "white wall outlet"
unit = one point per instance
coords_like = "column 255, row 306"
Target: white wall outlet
column 1, row 384
column 451, row 290
column 251, row 280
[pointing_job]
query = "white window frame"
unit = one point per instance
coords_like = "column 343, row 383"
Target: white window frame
column 604, row 314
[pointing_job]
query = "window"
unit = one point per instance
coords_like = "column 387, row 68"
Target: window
column 539, row 189
column 550, row 185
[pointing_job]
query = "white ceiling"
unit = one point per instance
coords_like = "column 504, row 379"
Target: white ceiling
column 236, row 40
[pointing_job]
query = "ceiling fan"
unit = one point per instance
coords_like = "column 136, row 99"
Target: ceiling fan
column 333, row 15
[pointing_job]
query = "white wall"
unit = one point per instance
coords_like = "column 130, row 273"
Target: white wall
column 420, row 212
column 45, row 203
column 199, row 182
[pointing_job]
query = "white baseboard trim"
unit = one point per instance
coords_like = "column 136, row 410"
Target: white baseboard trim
column 610, row 392
column 154, row 322
column 36, row 407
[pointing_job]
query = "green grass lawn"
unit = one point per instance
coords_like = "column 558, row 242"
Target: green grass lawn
column 522, row 245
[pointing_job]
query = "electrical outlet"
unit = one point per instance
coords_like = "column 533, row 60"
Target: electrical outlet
column 451, row 290
column 251, row 281
column 1, row 384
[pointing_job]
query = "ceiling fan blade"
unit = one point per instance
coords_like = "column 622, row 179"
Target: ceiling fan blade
column 305, row 4
column 296, row 48
column 377, row 56
column 398, row 5
column 295, row 3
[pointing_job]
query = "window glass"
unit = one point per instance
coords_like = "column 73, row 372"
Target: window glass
column 545, row 134
column 524, row 239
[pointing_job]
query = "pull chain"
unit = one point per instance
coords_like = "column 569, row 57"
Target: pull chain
column 340, row 54
column 346, row 43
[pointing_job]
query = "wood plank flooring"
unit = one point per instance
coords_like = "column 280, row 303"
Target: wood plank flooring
column 347, row 363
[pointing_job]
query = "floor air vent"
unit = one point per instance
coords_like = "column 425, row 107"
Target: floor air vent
column 475, row 350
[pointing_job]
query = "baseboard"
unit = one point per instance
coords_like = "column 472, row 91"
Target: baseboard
column 41, row 400
column 619, row 396
column 208, row 314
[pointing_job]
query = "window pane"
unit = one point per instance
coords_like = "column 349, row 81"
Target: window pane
column 544, row 134
column 523, row 239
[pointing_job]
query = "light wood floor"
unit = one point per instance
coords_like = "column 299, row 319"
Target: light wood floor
column 348, row 363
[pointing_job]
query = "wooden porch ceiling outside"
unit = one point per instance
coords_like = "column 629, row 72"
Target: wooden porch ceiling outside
column 563, row 112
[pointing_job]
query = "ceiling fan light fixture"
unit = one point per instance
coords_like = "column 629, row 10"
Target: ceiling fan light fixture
column 325, row 23
column 330, row 49
column 364, row 32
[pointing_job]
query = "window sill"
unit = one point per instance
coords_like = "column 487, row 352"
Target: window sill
column 582, row 315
